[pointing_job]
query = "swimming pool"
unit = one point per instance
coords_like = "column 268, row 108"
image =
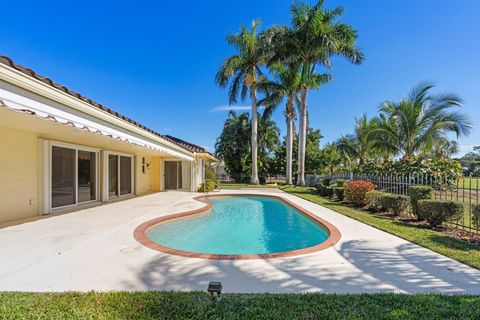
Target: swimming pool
column 239, row 227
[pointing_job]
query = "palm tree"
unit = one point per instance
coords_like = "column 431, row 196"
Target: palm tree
column 441, row 149
column 418, row 121
column 285, row 85
column 243, row 71
column 314, row 38
column 330, row 157
column 357, row 146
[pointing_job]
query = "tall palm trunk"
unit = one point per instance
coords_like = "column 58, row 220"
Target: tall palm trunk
column 254, row 178
column 302, row 137
column 289, row 117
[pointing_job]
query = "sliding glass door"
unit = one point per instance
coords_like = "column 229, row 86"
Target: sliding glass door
column 73, row 176
column 120, row 175
column 178, row 175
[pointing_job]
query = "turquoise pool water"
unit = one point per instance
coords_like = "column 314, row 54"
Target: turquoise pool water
column 241, row 225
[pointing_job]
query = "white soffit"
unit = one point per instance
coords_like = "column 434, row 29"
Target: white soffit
column 19, row 103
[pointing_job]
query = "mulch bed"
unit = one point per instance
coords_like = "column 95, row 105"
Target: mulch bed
column 464, row 235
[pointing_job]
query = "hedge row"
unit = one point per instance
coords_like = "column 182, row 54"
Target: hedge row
column 420, row 202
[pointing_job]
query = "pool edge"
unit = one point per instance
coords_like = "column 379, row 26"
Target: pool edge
column 140, row 236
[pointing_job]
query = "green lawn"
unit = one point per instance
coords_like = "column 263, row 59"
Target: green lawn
column 459, row 250
column 196, row 305
column 473, row 183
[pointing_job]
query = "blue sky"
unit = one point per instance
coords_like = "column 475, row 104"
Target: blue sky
column 156, row 61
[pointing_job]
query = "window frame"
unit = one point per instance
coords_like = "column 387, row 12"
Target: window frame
column 77, row 148
column 132, row 173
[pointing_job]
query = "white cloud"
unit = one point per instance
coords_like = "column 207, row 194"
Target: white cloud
column 167, row 129
column 232, row 108
column 464, row 149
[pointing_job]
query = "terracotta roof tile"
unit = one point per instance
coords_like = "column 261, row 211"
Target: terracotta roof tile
column 184, row 144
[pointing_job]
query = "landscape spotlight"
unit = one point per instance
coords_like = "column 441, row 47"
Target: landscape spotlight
column 215, row 289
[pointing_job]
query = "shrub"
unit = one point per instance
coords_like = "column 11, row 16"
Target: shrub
column 337, row 183
column 374, row 200
column 210, row 173
column 262, row 179
column 355, row 191
column 208, row 185
column 437, row 212
column 320, row 189
column 326, row 181
column 418, row 193
column 476, row 215
column 444, row 168
column 245, row 179
column 397, row 204
column 339, row 192
column 329, row 192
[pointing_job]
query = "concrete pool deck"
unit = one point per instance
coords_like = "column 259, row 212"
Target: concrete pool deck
column 94, row 249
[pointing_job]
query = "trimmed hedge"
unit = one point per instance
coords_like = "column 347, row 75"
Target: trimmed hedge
column 418, row 193
column 374, row 200
column 436, row 212
column 397, row 204
column 339, row 193
column 321, row 189
column 476, row 215
column 329, row 192
column 326, row 182
column 355, row 191
column 337, row 183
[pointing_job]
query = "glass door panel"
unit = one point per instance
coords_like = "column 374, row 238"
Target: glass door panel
column 125, row 175
column 186, row 176
column 112, row 175
column 87, row 172
column 171, row 175
column 63, row 177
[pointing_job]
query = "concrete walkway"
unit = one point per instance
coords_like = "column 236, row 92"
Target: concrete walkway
column 94, row 249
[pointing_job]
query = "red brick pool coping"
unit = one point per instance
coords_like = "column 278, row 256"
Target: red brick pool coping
column 140, row 233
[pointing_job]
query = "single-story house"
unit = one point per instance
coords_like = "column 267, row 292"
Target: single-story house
column 60, row 151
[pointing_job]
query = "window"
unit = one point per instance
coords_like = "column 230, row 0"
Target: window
column 119, row 175
column 73, row 176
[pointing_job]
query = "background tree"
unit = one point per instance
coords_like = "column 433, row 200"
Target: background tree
column 330, row 158
column 233, row 144
column 415, row 123
column 442, row 148
column 313, row 163
column 471, row 162
column 243, row 71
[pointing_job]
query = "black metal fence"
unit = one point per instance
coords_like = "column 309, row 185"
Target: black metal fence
column 463, row 190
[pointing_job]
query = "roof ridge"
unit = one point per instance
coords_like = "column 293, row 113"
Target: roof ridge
column 29, row 72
